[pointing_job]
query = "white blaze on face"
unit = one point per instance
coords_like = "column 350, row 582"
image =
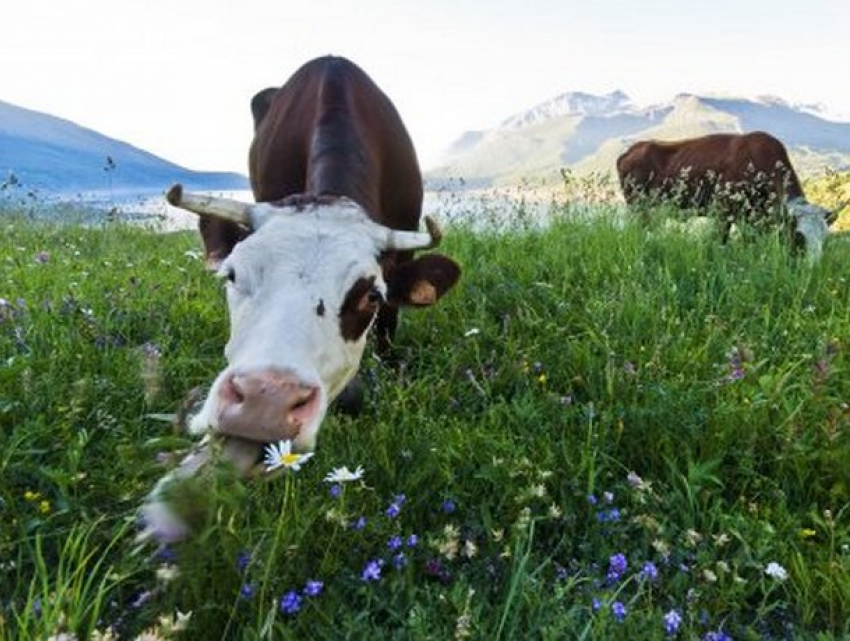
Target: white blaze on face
column 302, row 291
column 810, row 223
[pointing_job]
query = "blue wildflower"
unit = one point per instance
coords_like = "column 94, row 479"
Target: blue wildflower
column 290, row 603
column 399, row 561
column 617, row 565
column 246, row 591
column 649, row 571
column 359, row 524
column 592, row 499
column 335, row 490
column 672, row 621
column 720, row 635
column 449, row 506
column 243, row 560
column 313, row 588
column 596, row 605
column 412, row 541
column 619, row 611
column 394, row 542
column 372, row 571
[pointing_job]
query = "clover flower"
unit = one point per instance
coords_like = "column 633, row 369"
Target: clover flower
column 672, row 621
column 280, row 454
column 344, row 475
column 776, row 571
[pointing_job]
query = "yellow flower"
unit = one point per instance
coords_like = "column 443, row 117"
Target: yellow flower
column 44, row 507
column 807, row 533
column 29, row 495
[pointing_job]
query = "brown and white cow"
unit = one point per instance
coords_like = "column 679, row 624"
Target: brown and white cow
column 325, row 253
column 746, row 176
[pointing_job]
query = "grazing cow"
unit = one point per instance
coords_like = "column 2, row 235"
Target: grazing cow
column 325, row 252
column 746, row 176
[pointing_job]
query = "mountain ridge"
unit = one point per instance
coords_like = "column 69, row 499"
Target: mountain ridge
column 50, row 154
column 585, row 133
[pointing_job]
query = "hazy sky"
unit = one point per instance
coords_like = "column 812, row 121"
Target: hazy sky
column 176, row 76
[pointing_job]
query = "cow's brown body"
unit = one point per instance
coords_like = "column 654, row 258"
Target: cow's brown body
column 330, row 131
column 745, row 175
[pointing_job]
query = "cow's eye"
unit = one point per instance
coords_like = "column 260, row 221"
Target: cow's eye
column 375, row 297
column 230, row 275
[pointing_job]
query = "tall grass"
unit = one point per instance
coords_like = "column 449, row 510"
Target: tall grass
column 591, row 389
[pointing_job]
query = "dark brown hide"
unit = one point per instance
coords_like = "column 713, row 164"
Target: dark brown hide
column 694, row 173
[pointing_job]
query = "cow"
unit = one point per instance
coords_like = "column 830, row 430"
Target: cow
column 324, row 253
column 746, row 177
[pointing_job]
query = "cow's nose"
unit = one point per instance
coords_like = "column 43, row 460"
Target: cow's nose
column 267, row 405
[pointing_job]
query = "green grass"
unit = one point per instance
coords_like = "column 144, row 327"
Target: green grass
column 565, row 359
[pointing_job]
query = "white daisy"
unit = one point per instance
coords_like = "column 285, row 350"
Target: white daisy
column 280, row 454
column 344, row 475
column 776, row 571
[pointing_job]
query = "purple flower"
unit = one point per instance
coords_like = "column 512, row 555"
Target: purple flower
column 335, row 490
column 359, row 524
column 313, row 588
column 617, row 565
column 449, row 506
column 393, row 510
column 736, row 374
column 720, row 635
column 619, row 611
column 672, row 621
column 592, row 499
column 399, row 561
column 412, row 541
column 372, row 571
column 649, row 571
column 290, row 603
column 243, row 560
column 246, row 591
column 596, row 605
column 394, row 542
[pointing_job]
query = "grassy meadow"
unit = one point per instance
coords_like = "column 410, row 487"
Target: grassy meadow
column 604, row 432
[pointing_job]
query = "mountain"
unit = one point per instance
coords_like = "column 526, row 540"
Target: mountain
column 586, row 133
column 51, row 155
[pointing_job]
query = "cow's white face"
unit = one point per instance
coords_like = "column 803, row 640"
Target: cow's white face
column 302, row 291
column 810, row 226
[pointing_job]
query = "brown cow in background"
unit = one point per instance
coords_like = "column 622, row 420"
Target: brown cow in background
column 747, row 177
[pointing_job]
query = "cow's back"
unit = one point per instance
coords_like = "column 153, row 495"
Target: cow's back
column 331, row 131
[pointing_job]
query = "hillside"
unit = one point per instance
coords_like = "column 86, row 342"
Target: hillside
column 586, row 133
column 45, row 153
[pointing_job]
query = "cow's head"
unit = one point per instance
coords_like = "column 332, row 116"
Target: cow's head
column 303, row 288
column 810, row 225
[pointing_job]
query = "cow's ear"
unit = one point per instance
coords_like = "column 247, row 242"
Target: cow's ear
column 422, row 281
column 219, row 236
column 260, row 104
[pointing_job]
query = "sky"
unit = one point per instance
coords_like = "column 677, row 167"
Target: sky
column 175, row 77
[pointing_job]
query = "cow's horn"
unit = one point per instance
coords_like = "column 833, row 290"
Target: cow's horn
column 224, row 208
column 402, row 240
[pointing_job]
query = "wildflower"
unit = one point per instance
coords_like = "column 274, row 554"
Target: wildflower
column 634, row 481
column 372, row 571
column 313, row 588
column 393, row 510
column 608, row 497
column 449, row 506
column 290, row 603
column 592, row 499
column 344, row 475
column 672, row 621
column 167, row 572
column 243, row 560
column 596, row 605
column 469, row 549
column 807, row 533
column 42, row 257
column 555, row 511
column 412, row 541
column 619, row 611
column 335, row 490
column 720, row 635
column 171, row 624
column 281, row 455
column 649, row 571
column 776, row 571
column 141, row 598
column 394, row 543
column 360, row 523
column 617, row 565
column 246, row 591
column 709, row 575
column 399, row 561
column 44, row 507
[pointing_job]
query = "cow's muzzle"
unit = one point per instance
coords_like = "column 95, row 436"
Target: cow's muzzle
column 267, row 405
